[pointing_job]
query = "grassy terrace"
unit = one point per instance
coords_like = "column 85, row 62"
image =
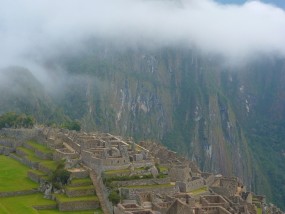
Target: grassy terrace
column 151, row 186
column 81, row 181
column 259, row 211
column 49, row 164
column 98, row 211
column 199, row 191
column 64, row 198
column 80, row 187
column 113, row 172
column 13, row 176
column 39, row 147
column 23, row 204
column 40, row 173
column 30, row 154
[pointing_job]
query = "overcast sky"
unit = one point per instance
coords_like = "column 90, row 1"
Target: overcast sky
column 30, row 29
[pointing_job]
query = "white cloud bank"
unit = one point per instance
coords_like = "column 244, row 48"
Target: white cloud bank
column 29, row 28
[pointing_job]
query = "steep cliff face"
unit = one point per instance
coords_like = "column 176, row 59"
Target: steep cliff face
column 174, row 96
column 229, row 120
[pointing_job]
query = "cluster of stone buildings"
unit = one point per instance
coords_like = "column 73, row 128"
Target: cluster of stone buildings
column 183, row 188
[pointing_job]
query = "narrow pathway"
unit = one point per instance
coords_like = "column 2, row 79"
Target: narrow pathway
column 97, row 182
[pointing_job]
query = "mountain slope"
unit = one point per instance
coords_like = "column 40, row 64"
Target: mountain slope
column 230, row 120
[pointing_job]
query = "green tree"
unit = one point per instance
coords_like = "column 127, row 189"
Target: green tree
column 72, row 125
column 14, row 120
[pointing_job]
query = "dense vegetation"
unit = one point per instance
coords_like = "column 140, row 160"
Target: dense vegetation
column 14, row 120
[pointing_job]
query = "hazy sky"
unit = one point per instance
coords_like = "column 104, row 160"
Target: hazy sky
column 30, row 30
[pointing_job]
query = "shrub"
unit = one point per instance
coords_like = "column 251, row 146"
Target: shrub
column 114, row 197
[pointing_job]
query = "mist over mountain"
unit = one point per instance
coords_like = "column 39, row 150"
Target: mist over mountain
column 204, row 78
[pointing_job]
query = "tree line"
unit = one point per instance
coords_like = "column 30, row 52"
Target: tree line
column 14, row 120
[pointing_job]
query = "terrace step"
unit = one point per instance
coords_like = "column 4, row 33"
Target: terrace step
column 39, row 150
column 80, row 182
column 99, row 191
column 80, row 191
column 36, row 175
column 77, row 203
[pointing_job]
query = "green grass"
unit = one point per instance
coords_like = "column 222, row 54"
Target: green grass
column 39, row 147
column 98, row 211
column 199, row 191
column 80, row 187
column 163, row 169
column 259, row 211
column 64, row 198
column 151, row 186
column 29, row 154
column 40, row 173
column 112, row 172
column 23, row 204
column 13, row 176
column 49, row 164
column 81, row 181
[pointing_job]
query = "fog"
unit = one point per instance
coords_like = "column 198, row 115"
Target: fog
column 31, row 31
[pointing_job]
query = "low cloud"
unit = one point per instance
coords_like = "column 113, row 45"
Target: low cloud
column 32, row 30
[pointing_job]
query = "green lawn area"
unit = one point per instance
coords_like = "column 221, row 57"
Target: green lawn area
column 23, row 204
column 13, row 176
column 81, row 181
column 39, row 147
column 199, row 191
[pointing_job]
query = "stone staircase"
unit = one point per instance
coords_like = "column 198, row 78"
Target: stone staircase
column 106, row 206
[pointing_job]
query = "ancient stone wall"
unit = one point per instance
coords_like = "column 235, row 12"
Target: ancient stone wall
column 209, row 178
column 45, row 207
column 78, row 205
column 22, row 134
column 130, row 193
column 179, row 173
column 9, row 142
column 17, row 193
column 143, row 163
column 142, row 182
column 79, row 174
column 230, row 184
column 34, row 176
column 191, row 185
column 79, row 192
column 6, row 150
column 44, row 169
column 214, row 200
column 43, row 155
column 221, row 191
column 63, row 153
column 215, row 210
column 92, row 162
column 16, row 157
